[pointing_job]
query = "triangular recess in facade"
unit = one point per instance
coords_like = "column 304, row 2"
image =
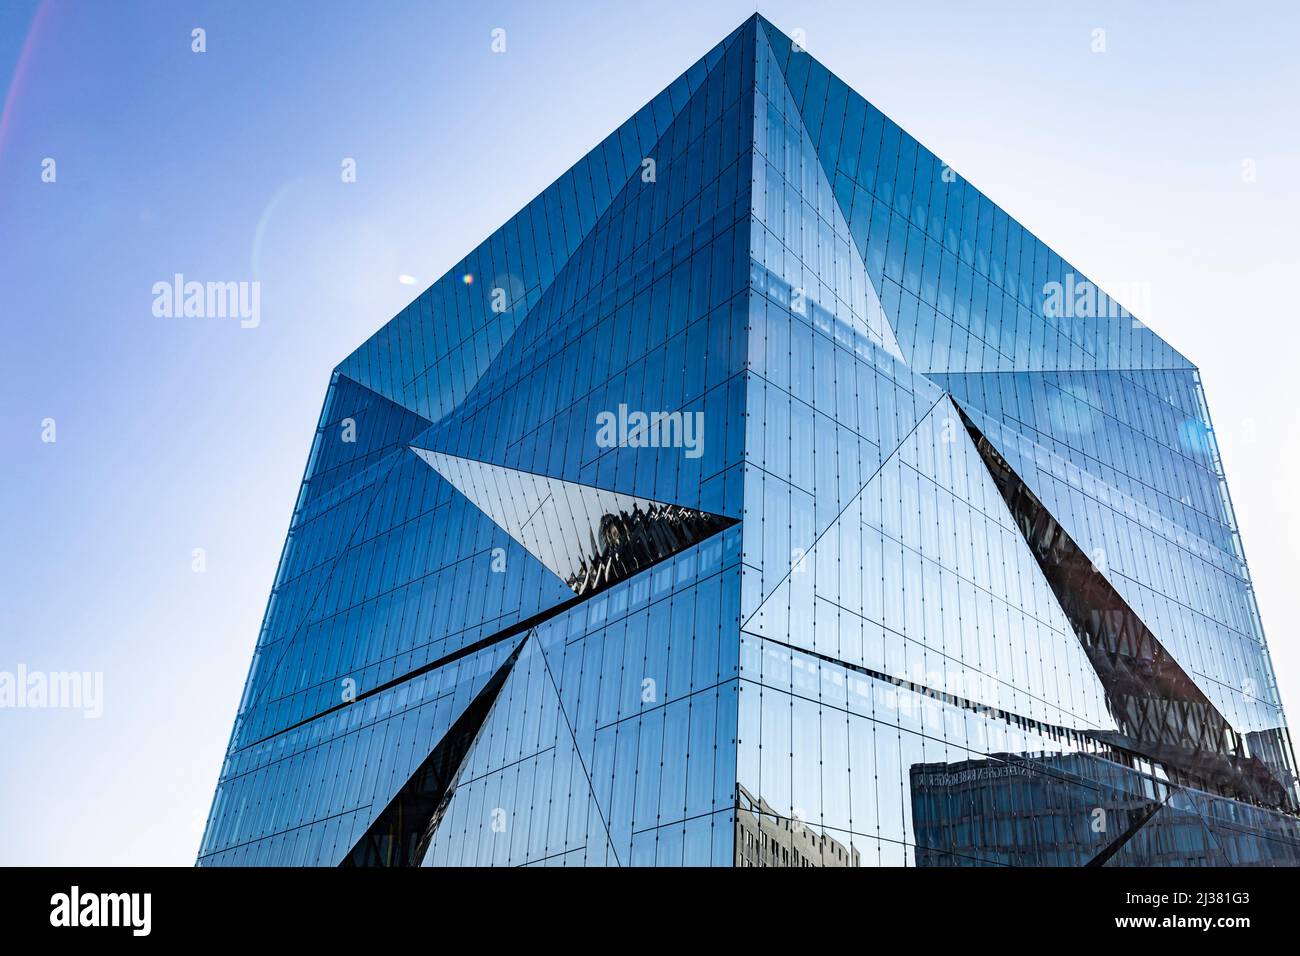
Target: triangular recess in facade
column 588, row 537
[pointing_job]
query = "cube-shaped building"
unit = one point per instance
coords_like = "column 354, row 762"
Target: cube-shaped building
column 761, row 494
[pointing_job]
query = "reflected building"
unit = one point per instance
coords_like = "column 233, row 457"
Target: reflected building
column 1084, row 810
column 910, row 546
column 765, row 838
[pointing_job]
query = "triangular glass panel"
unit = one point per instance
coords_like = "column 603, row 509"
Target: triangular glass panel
column 400, row 835
column 588, row 537
column 842, row 597
column 1163, row 715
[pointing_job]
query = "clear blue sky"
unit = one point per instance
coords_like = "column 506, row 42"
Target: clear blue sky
column 176, row 434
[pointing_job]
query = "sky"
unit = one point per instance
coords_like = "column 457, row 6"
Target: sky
column 1166, row 162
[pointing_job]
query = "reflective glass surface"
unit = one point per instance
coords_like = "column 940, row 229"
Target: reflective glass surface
column 749, row 499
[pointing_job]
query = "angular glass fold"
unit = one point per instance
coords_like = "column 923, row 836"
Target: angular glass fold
column 1162, row 714
column 588, row 537
column 402, row 833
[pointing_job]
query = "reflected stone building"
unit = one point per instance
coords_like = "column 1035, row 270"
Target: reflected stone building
column 910, row 546
column 765, row 838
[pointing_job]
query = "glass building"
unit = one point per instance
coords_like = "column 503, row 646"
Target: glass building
column 761, row 494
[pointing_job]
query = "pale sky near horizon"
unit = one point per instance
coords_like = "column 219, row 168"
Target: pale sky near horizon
column 183, row 434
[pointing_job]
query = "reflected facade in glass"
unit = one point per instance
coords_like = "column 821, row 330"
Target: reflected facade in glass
column 761, row 494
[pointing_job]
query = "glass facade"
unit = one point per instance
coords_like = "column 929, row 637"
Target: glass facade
column 761, row 494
